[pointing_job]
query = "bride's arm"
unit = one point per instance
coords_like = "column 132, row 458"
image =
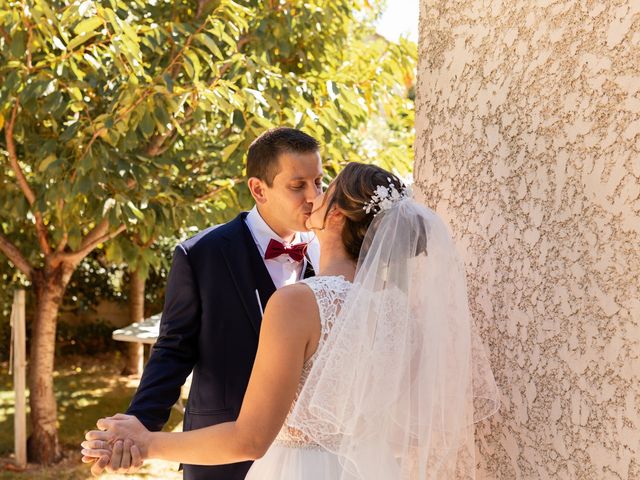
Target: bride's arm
column 290, row 323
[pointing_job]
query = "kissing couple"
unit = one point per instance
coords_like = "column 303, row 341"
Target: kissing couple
column 329, row 336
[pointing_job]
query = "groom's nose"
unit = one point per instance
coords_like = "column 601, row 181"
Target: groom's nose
column 311, row 192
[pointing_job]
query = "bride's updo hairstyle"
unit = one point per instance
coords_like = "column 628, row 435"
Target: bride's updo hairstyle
column 351, row 190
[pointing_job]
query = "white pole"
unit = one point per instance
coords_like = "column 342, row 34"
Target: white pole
column 19, row 377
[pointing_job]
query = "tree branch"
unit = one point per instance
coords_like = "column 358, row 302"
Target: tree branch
column 65, row 234
column 15, row 256
column 86, row 248
column 29, row 37
column 163, row 148
column 63, row 243
column 187, row 44
column 201, row 6
column 213, row 193
column 13, row 156
column 121, row 116
column 6, row 36
column 104, row 238
column 96, row 232
column 136, row 239
column 156, row 144
column 41, row 229
column 67, row 54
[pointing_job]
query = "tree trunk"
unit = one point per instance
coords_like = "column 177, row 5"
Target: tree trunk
column 49, row 286
column 135, row 351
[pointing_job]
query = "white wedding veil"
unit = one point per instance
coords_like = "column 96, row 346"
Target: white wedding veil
column 401, row 378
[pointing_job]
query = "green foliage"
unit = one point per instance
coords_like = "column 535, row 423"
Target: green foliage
column 71, row 339
column 85, row 339
column 97, row 279
column 138, row 111
column 93, row 281
column 11, row 281
column 5, row 340
column 134, row 110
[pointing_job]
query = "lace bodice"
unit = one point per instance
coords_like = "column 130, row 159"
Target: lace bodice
column 330, row 293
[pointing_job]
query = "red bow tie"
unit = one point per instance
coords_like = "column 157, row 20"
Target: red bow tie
column 275, row 249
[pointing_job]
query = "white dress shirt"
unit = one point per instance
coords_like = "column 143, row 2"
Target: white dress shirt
column 283, row 269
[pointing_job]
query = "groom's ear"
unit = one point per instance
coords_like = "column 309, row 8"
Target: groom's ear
column 257, row 189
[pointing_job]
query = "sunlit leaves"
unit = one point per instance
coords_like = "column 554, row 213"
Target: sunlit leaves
column 88, row 25
column 148, row 108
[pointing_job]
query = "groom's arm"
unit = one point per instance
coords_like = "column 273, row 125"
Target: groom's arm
column 172, row 358
column 175, row 352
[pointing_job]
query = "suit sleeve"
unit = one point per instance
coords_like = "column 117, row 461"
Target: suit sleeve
column 175, row 352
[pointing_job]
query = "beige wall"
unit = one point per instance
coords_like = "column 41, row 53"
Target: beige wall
column 528, row 143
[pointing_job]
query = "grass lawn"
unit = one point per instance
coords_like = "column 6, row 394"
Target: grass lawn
column 87, row 388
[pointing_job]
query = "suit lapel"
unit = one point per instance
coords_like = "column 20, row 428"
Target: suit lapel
column 247, row 269
column 308, row 268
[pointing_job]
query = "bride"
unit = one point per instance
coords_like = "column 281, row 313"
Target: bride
column 370, row 370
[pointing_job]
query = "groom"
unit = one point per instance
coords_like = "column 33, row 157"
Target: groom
column 220, row 281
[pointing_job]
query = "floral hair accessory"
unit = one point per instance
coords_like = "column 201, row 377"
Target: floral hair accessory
column 384, row 198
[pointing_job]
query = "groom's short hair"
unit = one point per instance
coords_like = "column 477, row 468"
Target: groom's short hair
column 262, row 158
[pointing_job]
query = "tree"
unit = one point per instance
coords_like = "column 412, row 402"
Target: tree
column 132, row 116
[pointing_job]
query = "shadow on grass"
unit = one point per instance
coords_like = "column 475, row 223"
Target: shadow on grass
column 87, row 388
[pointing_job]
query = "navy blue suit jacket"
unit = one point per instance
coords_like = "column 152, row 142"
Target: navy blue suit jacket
column 210, row 324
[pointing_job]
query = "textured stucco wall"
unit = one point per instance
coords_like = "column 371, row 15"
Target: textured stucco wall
column 528, row 144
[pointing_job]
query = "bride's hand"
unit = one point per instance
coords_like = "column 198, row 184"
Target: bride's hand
column 118, row 427
column 121, row 457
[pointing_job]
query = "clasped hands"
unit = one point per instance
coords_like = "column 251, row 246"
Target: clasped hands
column 120, row 445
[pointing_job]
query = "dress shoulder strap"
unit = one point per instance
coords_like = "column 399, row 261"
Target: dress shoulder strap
column 330, row 292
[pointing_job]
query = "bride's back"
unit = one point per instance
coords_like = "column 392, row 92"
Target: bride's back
column 330, row 293
column 293, row 455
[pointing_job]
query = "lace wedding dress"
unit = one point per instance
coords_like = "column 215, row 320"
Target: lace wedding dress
column 399, row 378
column 293, row 456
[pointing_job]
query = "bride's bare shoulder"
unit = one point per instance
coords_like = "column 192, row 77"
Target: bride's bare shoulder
column 296, row 295
column 295, row 300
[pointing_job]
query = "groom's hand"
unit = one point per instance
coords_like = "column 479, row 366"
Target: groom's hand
column 123, row 457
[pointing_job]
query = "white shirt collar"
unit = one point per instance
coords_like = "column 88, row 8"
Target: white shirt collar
column 262, row 233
